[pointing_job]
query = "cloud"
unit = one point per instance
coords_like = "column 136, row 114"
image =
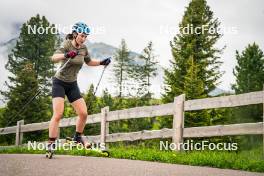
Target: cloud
column 139, row 21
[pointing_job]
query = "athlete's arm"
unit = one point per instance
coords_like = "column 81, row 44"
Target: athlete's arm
column 57, row 57
column 93, row 62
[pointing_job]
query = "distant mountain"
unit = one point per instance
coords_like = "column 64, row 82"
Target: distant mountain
column 218, row 91
column 8, row 46
column 102, row 50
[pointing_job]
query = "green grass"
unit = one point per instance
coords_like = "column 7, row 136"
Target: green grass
column 246, row 160
column 250, row 160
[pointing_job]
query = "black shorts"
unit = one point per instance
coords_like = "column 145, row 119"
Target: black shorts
column 61, row 88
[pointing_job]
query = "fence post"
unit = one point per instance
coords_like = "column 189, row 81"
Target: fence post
column 104, row 125
column 19, row 134
column 263, row 119
column 178, row 121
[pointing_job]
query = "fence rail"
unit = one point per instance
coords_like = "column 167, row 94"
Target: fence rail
column 177, row 109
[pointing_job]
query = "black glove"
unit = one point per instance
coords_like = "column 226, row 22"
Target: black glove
column 105, row 61
column 71, row 54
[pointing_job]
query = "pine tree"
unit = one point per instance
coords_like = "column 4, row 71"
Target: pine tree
column 37, row 48
column 195, row 66
column 31, row 69
column 31, row 52
column 249, row 75
column 249, row 72
column 121, row 67
column 198, row 45
column 142, row 73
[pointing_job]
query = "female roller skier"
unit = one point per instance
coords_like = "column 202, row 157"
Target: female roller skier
column 65, row 82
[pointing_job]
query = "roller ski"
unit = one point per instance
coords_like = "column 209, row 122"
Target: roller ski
column 82, row 140
column 50, row 150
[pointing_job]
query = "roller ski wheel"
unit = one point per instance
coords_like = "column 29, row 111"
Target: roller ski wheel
column 49, row 154
column 105, row 153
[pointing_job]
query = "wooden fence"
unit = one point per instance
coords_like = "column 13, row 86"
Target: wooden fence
column 177, row 109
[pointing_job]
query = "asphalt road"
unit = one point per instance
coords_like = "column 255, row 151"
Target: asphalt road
column 36, row 165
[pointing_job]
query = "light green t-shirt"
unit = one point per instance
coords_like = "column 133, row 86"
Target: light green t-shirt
column 72, row 68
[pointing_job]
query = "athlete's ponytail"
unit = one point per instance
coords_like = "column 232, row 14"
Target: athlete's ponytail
column 71, row 36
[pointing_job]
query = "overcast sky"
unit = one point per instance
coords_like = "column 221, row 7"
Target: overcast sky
column 139, row 21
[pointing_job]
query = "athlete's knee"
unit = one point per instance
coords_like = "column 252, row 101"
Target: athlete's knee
column 83, row 114
column 57, row 116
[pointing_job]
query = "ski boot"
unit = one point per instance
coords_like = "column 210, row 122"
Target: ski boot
column 50, row 149
column 81, row 139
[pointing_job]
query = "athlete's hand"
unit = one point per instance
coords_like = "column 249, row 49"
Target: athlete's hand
column 106, row 61
column 71, row 54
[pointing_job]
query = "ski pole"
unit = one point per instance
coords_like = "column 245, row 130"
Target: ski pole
column 64, row 65
column 90, row 103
